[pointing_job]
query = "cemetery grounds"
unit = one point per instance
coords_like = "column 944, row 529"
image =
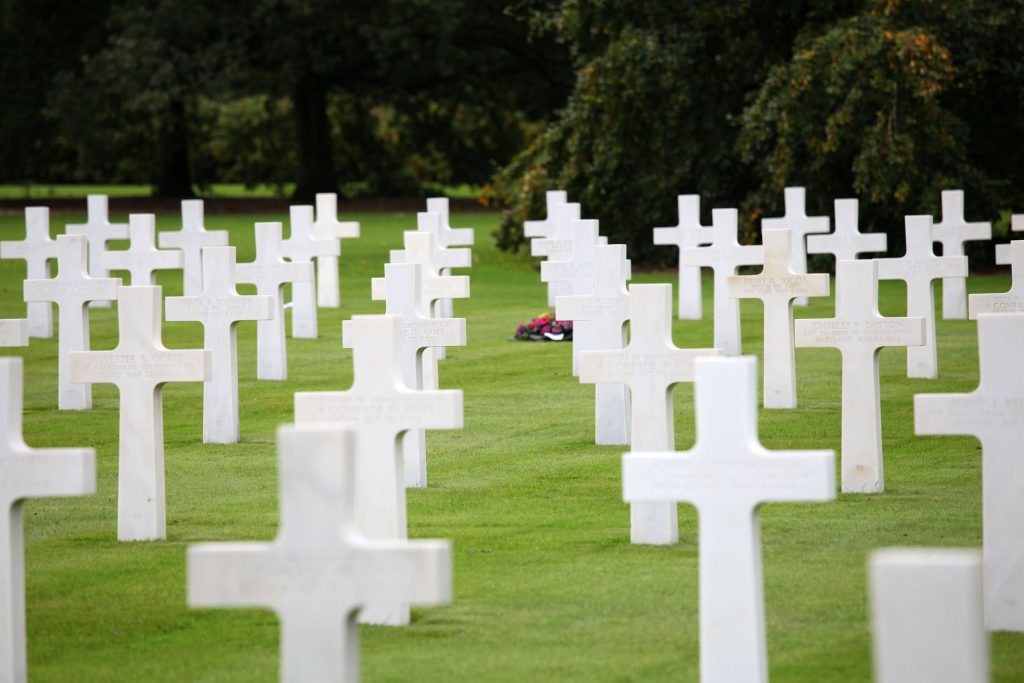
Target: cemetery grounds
column 547, row 585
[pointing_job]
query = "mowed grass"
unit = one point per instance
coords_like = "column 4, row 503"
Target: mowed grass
column 547, row 586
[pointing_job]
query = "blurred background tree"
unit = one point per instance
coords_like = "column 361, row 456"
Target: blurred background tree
column 624, row 103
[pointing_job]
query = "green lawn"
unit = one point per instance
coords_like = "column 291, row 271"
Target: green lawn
column 547, row 586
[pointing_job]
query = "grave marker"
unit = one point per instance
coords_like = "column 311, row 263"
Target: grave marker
column 26, row 472
column 994, row 414
column 269, row 272
column 404, row 299
column 801, row 226
column 98, row 230
column 847, row 242
column 140, row 366
column 777, row 285
column 926, row 616
column 727, row 476
column 724, row 256
column 605, row 310
column 72, row 290
column 859, row 332
column 650, row 366
column 142, row 258
column 191, row 240
column 1006, row 302
column 378, row 409
column 13, row 332
column 1003, row 250
column 318, row 571
column 918, row 268
column 578, row 278
column 36, row 250
column 219, row 309
column 302, row 246
column 447, row 237
column 328, row 227
column 951, row 233
column 558, row 245
column 545, row 229
column 687, row 232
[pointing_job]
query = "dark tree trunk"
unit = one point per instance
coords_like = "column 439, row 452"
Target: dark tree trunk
column 174, row 177
column 316, row 163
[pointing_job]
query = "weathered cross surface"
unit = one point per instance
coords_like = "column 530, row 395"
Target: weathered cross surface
column 72, row 290
column 328, row 227
column 727, row 475
column 421, row 247
column 142, row 259
column 777, row 285
column 859, row 332
column 918, row 268
column 1003, row 250
column 926, row 616
column 270, row 273
column 191, row 240
column 404, row 299
column 26, row 472
column 951, row 233
column 605, row 310
column 687, row 232
column 140, row 366
column 219, row 309
column 578, row 277
column 650, row 366
column 545, row 229
column 378, row 409
column 1011, row 301
column 724, row 255
column 800, row 225
column 36, row 250
column 319, row 571
column 98, row 230
column 13, row 332
column 994, row 414
column 302, row 246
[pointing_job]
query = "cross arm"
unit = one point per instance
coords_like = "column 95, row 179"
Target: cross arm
column 13, row 332
column 52, row 472
column 435, row 332
column 418, row 572
column 227, row 575
column 951, row 414
column 437, row 409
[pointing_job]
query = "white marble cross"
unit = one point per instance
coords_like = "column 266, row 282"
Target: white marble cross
column 448, row 237
column 546, row 226
column 724, row 256
column 801, row 226
column 557, row 244
column 142, row 259
column 36, row 250
column 650, row 366
column 328, row 227
column 269, row 272
column 13, row 332
column 72, row 290
column 847, row 242
column 302, row 246
column 605, row 310
column 421, row 247
column 98, row 230
column 926, row 616
column 777, row 285
column 994, row 413
column 951, row 233
column 859, row 332
column 1011, row 301
column 140, row 366
column 688, row 232
column 578, row 277
column 404, row 298
column 727, row 476
column 26, row 472
column 1003, row 250
column 378, row 409
column 319, row 571
column 191, row 240
column 219, row 309
column 918, row 268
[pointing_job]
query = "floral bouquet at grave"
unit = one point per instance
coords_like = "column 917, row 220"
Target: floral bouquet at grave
column 545, row 328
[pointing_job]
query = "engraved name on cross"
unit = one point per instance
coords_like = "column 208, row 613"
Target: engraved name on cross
column 1011, row 301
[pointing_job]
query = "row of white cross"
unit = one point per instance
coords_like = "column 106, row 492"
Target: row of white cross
column 342, row 546
column 726, row 475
